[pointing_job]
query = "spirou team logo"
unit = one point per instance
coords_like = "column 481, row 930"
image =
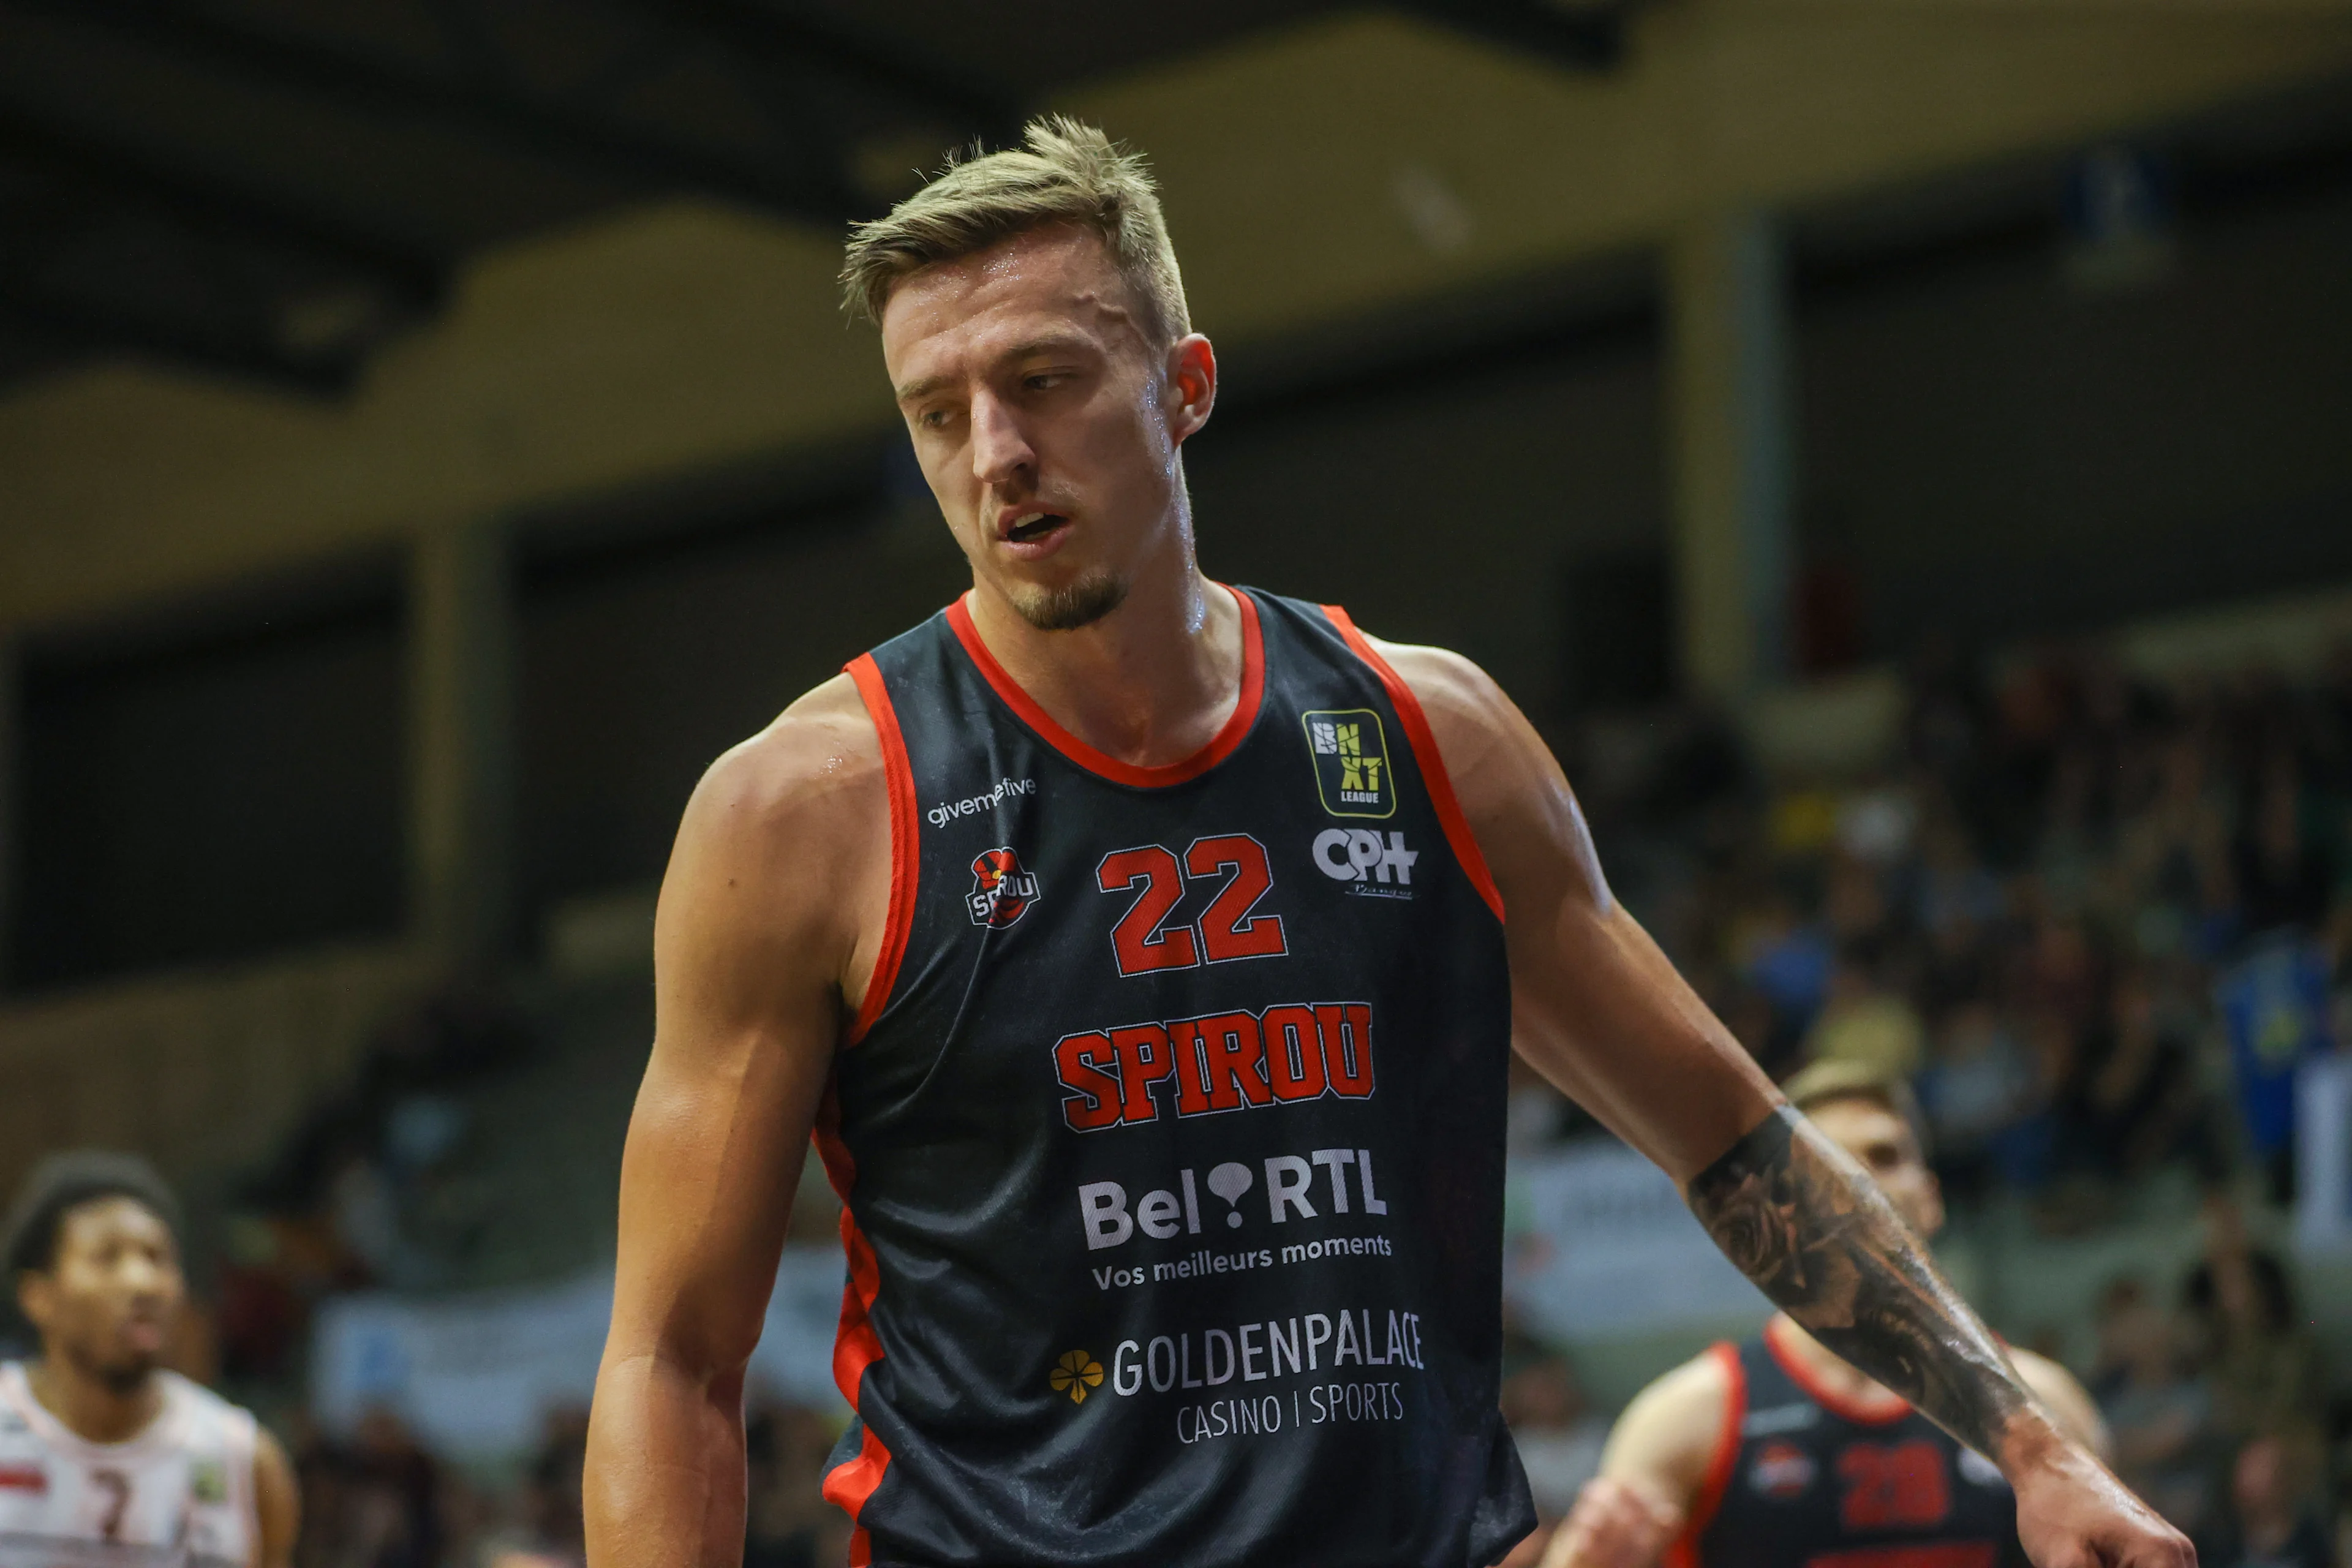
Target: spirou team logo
column 1002, row 888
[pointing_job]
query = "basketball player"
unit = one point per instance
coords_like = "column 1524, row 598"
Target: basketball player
column 1146, row 954
column 1779, row 1453
column 105, row 1457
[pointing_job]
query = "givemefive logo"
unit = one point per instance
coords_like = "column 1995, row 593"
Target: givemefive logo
column 946, row 811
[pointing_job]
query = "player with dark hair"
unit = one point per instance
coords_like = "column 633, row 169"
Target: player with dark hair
column 1779, row 1453
column 105, row 1456
column 1147, row 955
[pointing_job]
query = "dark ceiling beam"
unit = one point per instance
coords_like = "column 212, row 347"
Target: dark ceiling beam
column 403, row 273
column 775, row 35
column 99, row 328
column 1585, row 38
column 552, row 130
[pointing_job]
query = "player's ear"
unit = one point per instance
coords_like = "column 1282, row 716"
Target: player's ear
column 1192, row 384
column 1932, row 1191
column 36, row 1297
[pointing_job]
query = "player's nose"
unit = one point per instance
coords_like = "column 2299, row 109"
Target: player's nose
column 1002, row 458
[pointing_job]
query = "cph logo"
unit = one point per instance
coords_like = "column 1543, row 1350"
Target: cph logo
column 1351, row 853
column 1001, row 890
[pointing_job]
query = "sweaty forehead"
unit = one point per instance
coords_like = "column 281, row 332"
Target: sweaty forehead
column 954, row 316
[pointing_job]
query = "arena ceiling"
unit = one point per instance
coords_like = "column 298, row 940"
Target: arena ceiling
column 273, row 188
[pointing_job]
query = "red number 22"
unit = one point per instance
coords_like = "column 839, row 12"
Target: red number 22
column 1225, row 930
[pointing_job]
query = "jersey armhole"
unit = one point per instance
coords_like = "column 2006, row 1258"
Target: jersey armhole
column 906, row 852
column 1684, row 1551
column 1423, row 742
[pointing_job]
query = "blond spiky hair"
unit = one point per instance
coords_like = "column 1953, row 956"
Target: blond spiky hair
column 1070, row 174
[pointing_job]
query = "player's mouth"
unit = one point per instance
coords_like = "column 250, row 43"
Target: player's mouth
column 1032, row 533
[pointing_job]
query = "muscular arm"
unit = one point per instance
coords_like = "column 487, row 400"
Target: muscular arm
column 276, row 1504
column 768, row 919
column 1599, row 1010
column 1799, row 1217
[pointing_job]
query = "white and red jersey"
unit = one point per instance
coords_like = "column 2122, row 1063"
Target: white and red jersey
column 178, row 1494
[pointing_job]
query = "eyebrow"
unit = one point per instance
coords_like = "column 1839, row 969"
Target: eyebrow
column 916, row 391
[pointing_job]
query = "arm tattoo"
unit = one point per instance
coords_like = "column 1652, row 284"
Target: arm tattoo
column 1806, row 1225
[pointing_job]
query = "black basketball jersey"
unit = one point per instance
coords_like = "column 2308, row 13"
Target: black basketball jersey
column 1171, row 1133
column 1804, row 1479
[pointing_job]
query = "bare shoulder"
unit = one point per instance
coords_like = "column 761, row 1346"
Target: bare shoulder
column 1668, row 1435
column 1467, row 710
column 786, row 837
column 817, row 764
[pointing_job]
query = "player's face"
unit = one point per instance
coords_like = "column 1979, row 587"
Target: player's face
column 1886, row 1147
column 1048, row 420
column 108, row 1305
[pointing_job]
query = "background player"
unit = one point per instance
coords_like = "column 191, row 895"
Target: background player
column 1778, row 1453
column 105, row 1456
column 1035, row 331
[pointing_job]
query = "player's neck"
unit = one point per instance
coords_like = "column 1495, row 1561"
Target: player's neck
column 1149, row 684
column 89, row 1408
column 1829, row 1370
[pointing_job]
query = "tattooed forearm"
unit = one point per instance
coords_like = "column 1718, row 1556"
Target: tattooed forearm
column 1805, row 1224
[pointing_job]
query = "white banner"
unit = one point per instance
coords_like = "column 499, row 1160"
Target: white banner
column 1601, row 1246
column 474, row 1376
column 2323, row 1156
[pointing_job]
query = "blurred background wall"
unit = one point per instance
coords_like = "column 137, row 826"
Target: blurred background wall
column 428, row 435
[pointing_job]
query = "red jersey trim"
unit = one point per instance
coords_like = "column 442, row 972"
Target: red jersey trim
column 1684, row 1551
column 1829, row 1399
column 906, row 851
column 1433, row 766
column 855, row 1346
column 1226, row 741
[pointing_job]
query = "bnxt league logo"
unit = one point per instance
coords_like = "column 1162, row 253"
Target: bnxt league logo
column 1001, row 890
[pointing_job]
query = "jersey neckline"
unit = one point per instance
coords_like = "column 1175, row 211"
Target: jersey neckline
column 1226, row 741
column 18, row 1390
column 1863, row 1413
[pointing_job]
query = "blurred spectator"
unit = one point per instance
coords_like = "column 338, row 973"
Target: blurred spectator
column 2283, row 877
column 1982, row 1096
column 375, row 1503
column 1957, row 897
column 1559, row 1438
column 2274, row 1004
column 2174, row 852
column 2078, row 892
column 2159, row 1415
column 1868, row 1022
column 2276, row 1524
column 1788, row 960
column 2266, row 1370
column 788, row 1523
column 552, row 1532
column 2140, row 1103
